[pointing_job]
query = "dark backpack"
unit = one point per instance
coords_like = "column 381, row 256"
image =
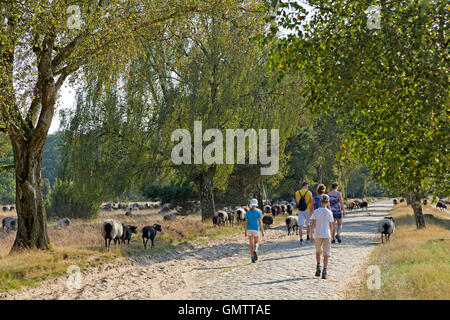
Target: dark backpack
column 302, row 205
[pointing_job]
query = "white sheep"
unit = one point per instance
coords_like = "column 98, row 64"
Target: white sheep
column 240, row 214
column 64, row 222
column 386, row 227
column 222, row 215
column 111, row 230
column 292, row 224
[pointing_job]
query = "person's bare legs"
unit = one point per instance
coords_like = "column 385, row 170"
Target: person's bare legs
column 250, row 243
column 255, row 243
column 300, row 232
column 339, row 228
column 325, row 262
column 318, row 258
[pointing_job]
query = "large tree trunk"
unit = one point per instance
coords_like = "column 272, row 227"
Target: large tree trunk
column 32, row 228
column 204, row 186
column 417, row 208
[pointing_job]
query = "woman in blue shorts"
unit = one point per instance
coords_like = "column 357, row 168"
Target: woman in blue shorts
column 253, row 222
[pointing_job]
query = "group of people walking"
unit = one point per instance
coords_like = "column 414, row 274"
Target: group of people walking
column 319, row 213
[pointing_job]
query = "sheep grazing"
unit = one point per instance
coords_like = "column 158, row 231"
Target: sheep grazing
column 9, row 223
column 425, row 201
column 11, row 208
column 267, row 220
column 289, row 209
column 294, row 205
column 222, row 215
column 364, row 204
column 5, row 208
column 64, row 222
column 386, row 227
column 283, row 208
column 273, row 209
column 441, row 205
column 276, row 210
column 351, row 206
column 128, row 213
column 240, row 214
column 395, row 201
column 149, row 232
column 217, row 221
column 127, row 233
column 292, row 224
column 267, row 208
column 230, row 217
column 170, row 216
column 111, row 230
column 402, row 200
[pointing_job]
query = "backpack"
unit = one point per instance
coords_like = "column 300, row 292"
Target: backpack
column 302, row 205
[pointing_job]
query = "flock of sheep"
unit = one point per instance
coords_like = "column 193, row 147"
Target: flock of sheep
column 113, row 230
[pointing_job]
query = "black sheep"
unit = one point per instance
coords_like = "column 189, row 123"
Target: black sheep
column 364, row 204
column 127, row 233
column 231, row 218
column 267, row 220
column 441, row 205
column 149, row 232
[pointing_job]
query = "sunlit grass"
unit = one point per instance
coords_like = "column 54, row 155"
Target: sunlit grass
column 81, row 244
column 415, row 264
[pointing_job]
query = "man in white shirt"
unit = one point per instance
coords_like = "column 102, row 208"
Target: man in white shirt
column 322, row 224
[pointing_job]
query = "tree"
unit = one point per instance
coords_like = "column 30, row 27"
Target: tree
column 42, row 44
column 386, row 80
column 209, row 70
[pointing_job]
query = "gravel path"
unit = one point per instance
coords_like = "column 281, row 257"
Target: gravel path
column 221, row 269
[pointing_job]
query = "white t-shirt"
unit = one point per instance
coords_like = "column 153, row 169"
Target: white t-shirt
column 323, row 217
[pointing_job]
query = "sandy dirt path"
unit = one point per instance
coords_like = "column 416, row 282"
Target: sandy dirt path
column 221, row 269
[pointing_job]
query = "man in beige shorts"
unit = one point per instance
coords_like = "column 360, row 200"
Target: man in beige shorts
column 322, row 225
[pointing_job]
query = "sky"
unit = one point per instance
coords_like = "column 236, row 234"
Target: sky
column 65, row 100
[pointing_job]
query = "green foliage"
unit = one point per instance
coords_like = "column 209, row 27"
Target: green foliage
column 388, row 85
column 66, row 201
column 178, row 195
column 215, row 73
column 7, row 178
column 51, row 157
column 46, row 191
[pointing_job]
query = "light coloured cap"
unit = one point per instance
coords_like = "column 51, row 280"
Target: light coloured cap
column 253, row 203
column 324, row 198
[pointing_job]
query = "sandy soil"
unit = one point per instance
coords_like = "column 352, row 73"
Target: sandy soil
column 221, row 269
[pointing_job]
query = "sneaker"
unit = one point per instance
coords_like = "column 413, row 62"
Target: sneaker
column 324, row 274
column 253, row 260
column 338, row 237
column 318, row 271
column 255, row 256
column 301, row 241
column 333, row 241
column 307, row 238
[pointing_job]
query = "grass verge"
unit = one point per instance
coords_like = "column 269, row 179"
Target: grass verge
column 81, row 244
column 414, row 264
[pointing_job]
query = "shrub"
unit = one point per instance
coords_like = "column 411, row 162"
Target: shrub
column 65, row 201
